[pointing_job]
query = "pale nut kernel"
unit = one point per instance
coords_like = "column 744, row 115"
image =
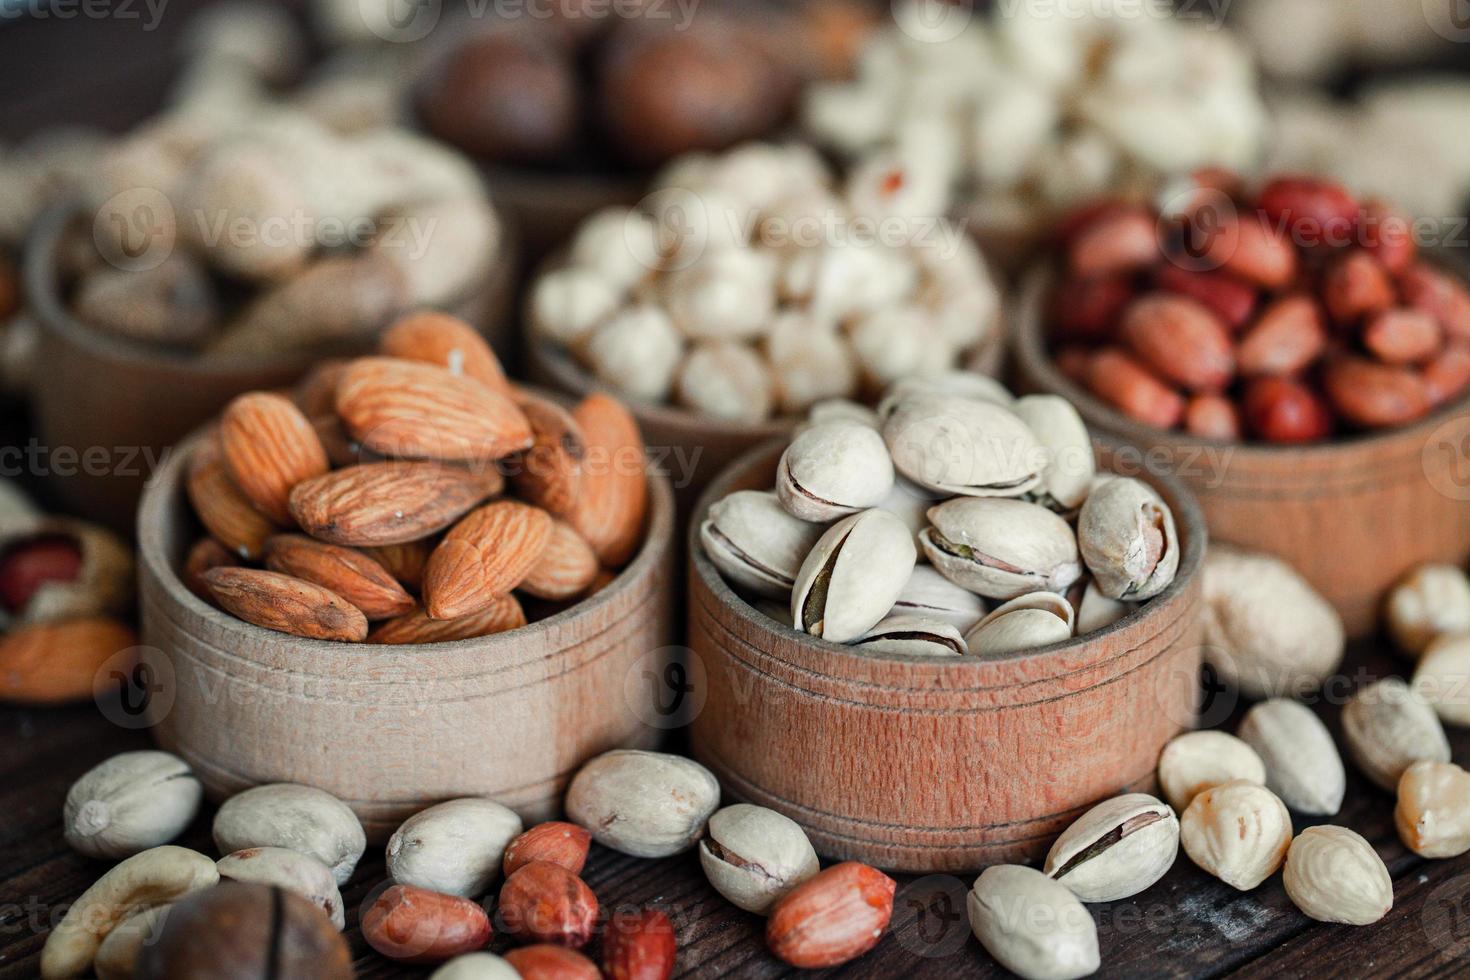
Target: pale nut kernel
column 1429, row 601
column 647, row 804
column 1032, row 925
column 1433, row 810
column 476, row 966
column 1116, row 849
column 1333, row 875
column 1443, row 678
column 131, row 802
column 725, row 380
column 1238, row 832
column 300, row 818
column 1388, row 728
column 636, row 352
column 1303, row 766
column 566, row 305
column 753, row 856
column 455, row 847
column 1196, row 761
column 291, row 870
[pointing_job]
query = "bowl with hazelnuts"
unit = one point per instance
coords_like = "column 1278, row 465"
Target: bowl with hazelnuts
column 1298, row 357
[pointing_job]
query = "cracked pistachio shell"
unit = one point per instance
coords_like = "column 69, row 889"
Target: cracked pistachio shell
column 647, row 804
column 1070, row 464
column 1116, row 849
column 129, row 803
column 1443, row 678
column 1334, row 875
column 300, row 818
column 914, row 636
column 755, row 543
column 1303, row 766
column 753, row 856
column 1126, row 535
column 1238, row 832
column 1431, row 600
column 454, row 847
column 832, row 470
column 849, row 581
column 1433, row 810
column 963, row 446
column 1096, row 611
column 1193, row 762
column 1032, row 925
column 932, row 596
column 947, row 384
column 1001, row 548
column 909, row 504
column 1388, row 728
column 1027, row 622
column 840, row 410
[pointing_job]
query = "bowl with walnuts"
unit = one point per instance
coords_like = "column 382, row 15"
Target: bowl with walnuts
column 1300, row 358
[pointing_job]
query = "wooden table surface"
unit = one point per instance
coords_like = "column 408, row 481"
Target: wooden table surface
column 1187, row 925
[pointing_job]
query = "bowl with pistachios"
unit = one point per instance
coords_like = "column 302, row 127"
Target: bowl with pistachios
column 986, row 615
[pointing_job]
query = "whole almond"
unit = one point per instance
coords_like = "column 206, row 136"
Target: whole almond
column 1388, row 727
column 1433, row 810
column 1356, row 287
column 545, row 903
column 554, row 842
column 549, row 474
column 316, row 393
column 503, row 614
column 226, row 512
column 348, row 573
column 566, row 567
column 1229, row 299
column 412, row 925
column 1371, row 394
column 286, row 604
column 1403, row 336
column 639, row 946
column 1120, row 240
column 1440, row 295
column 1181, row 340
column 269, row 447
column 1303, row 766
column 55, row 663
column 613, row 500
column 1250, row 249
column 206, row 553
column 547, row 962
column 486, row 554
column 832, row 918
column 446, row 341
column 1288, row 336
column 1334, row 875
column 1133, row 389
column 388, row 503
column 406, row 562
column 419, row 411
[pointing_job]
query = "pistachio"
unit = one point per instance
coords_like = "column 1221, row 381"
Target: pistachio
column 292, row 870
column 914, row 636
column 131, row 802
column 300, row 818
column 832, row 470
column 454, row 847
column 1127, row 538
column 1070, row 464
column 1433, row 809
column 727, row 380
column 932, row 596
column 1032, row 925
column 1096, row 611
column 909, row 504
column 1334, row 875
column 647, row 804
column 1388, row 728
column 1001, row 548
column 755, row 543
column 1026, row 622
column 1116, row 849
column 852, row 576
column 1302, row 763
column 1429, row 601
column 1238, row 832
column 1193, row 762
column 753, row 856
column 840, row 409
column 947, row 384
column 962, row 446
column 1443, row 677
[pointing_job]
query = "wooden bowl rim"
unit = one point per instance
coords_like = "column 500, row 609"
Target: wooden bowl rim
column 165, row 492
column 1035, row 363
column 1188, row 519
column 43, row 294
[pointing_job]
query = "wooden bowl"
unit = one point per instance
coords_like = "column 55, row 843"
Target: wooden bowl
column 1352, row 515
column 392, row 729
column 131, row 402
column 924, row 765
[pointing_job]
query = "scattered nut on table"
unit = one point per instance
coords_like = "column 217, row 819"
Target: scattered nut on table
column 1388, row 728
column 1195, row 761
column 455, row 847
column 1032, row 925
column 291, row 870
column 298, row 818
column 1442, row 677
column 1238, row 832
column 129, row 803
column 647, row 804
column 834, row 916
column 1433, row 809
column 1116, row 849
column 1429, row 601
column 754, row 856
column 1303, row 766
column 1334, row 875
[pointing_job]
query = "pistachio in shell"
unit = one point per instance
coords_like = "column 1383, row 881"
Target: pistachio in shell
column 755, row 543
column 849, row 581
column 1128, row 541
column 1001, row 548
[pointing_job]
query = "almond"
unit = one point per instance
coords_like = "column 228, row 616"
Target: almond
column 639, row 946
column 549, row 474
column 545, row 903
column 388, row 503
column 1288, row 337
column 350, row 574
column 1250, row 249
column 418, row 411
column 1229, row 299
column 269, row 447
column 1403, row 336
column 566, row 567
column 1088, row 309
column 222, row 508
column 406, row 562
column 501, row 615
column 337, row 444
column 486, row 554
column 1356, row 287
column 1181, row 340
column 1438, row 294
column 449, row 342
column 836, row 916
column 1371, row 394
column 205, row 554
column 1212, row 417
column 547, row 962
column 554, row 842
column 413, row 925
column 286, row 604
column 1118, row 379
column 1120, row 240
column 1281, row 410
column 613, row 500
column 316, row 394
column 56, row 663
column 1448, row 374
